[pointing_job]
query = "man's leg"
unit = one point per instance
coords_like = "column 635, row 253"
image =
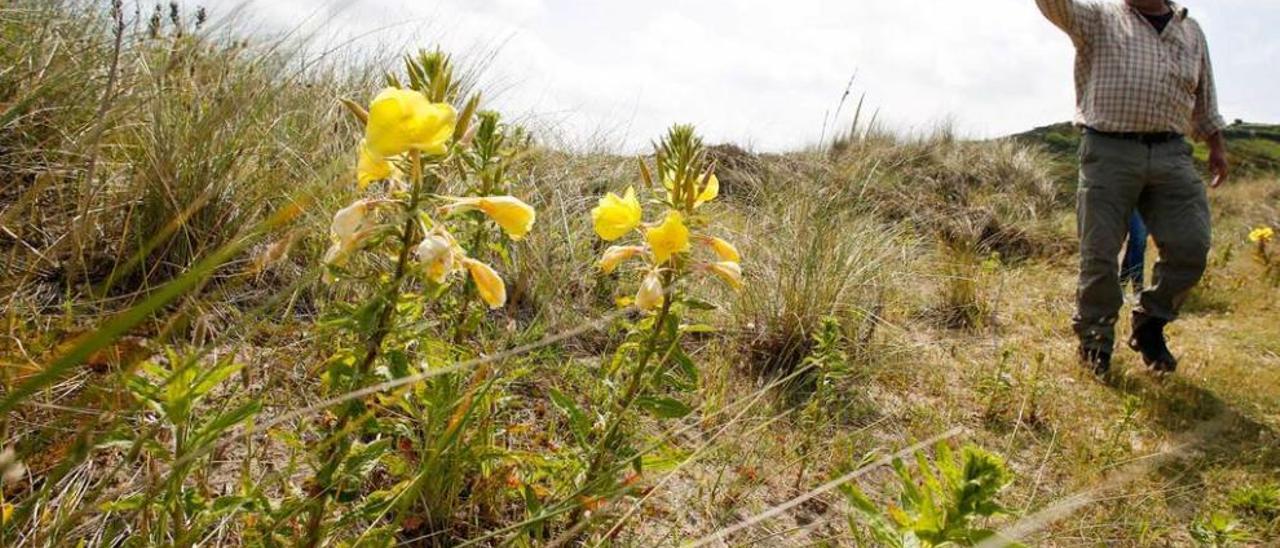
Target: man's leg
column 1111, row 176
column 1176, row 211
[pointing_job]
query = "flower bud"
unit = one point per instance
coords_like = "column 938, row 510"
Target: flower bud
column 616, row 255
column 650, row 295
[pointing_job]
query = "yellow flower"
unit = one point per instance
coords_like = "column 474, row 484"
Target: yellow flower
column 435, row 252
column 649, row 297
column 728, row 271
column 372, row 167
column 615, row 216
column 616, row 255
column 708, row 193
column 723, row 249
column 514, row 216
column 1262, row 234
column 348, row 221
column 401, row 120
column 669, row 238
column 490, row 286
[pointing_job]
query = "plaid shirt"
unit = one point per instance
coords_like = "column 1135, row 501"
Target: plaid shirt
column 1130, row 78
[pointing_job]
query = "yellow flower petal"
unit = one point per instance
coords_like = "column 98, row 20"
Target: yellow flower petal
column 401, row 120
column 650, row 296
column 371, row 167
column 728, row 271
column 1261, row 234
column 514, row 216
column 616, row 255
column 708, row 193
column 490, row 286
column 669, row 238
column 723, row 249
column 615, row 216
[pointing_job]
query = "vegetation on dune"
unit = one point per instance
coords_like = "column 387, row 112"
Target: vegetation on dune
column 258, row 298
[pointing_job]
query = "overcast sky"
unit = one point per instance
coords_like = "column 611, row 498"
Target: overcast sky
column 766, row 74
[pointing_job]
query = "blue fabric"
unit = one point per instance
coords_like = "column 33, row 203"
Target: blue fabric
column 1132, row 269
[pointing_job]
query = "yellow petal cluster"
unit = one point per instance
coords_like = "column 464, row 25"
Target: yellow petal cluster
column 616, row 255
column 514, row 216
column 650, row 297
column 668, row 238
column 490, row 286
column 1261, row 234
column 401, row 120
column 615, row 216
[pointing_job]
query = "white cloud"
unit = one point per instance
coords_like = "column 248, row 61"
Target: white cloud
column 766, row 73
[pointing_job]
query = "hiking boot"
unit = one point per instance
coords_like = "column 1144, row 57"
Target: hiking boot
column 1148, row 339
column 1098, row 361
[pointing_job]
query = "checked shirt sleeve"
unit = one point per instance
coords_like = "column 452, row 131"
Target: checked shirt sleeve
column 1077, row 18
column 1206, row 120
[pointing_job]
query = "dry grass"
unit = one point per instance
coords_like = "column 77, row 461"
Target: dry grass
column 203, row 138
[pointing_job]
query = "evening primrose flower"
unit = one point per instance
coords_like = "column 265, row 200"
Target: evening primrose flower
column 435, row 252
column 728, row 271
column 616, row 255
column 1261, row 234
column 723, row 249
column 401, row 120
column 514, row 216
column 490, row 286
column 709, row 192
column 668, row 238
column 615, row 216
column 650, row 297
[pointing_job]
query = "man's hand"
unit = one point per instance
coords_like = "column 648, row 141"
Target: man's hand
column 1218, row 164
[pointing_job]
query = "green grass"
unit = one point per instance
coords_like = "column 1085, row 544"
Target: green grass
column 167, row 341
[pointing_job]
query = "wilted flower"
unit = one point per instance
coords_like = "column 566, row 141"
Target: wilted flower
column 650, row 297
column 668, row 238
column 435, row 252
column 616, row 255
column 1261, row 234
column 728, row 271
column 11, row 469
column 348, row 220
column 490, row 286
column 723, row 249
column 371, row 167
column 514, row 216
column 615, row 216
column 401, row 120
column 708, row 193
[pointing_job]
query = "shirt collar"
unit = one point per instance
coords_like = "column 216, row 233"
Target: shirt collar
column 1179, row 13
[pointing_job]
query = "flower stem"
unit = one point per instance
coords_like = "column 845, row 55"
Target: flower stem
column 628, row 398
column 373, row 348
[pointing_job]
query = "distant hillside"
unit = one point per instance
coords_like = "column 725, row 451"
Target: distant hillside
column 1254, row 147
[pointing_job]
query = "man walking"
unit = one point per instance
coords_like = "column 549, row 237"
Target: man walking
column 1143, row 81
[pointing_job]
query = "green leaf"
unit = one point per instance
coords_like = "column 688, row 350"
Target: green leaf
column 221, row 423
column 578, row 421
column 664, row 407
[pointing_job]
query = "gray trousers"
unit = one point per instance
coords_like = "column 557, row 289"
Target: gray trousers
column 1160, row 180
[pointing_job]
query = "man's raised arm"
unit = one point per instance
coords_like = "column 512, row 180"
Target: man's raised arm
column 1075, row 17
